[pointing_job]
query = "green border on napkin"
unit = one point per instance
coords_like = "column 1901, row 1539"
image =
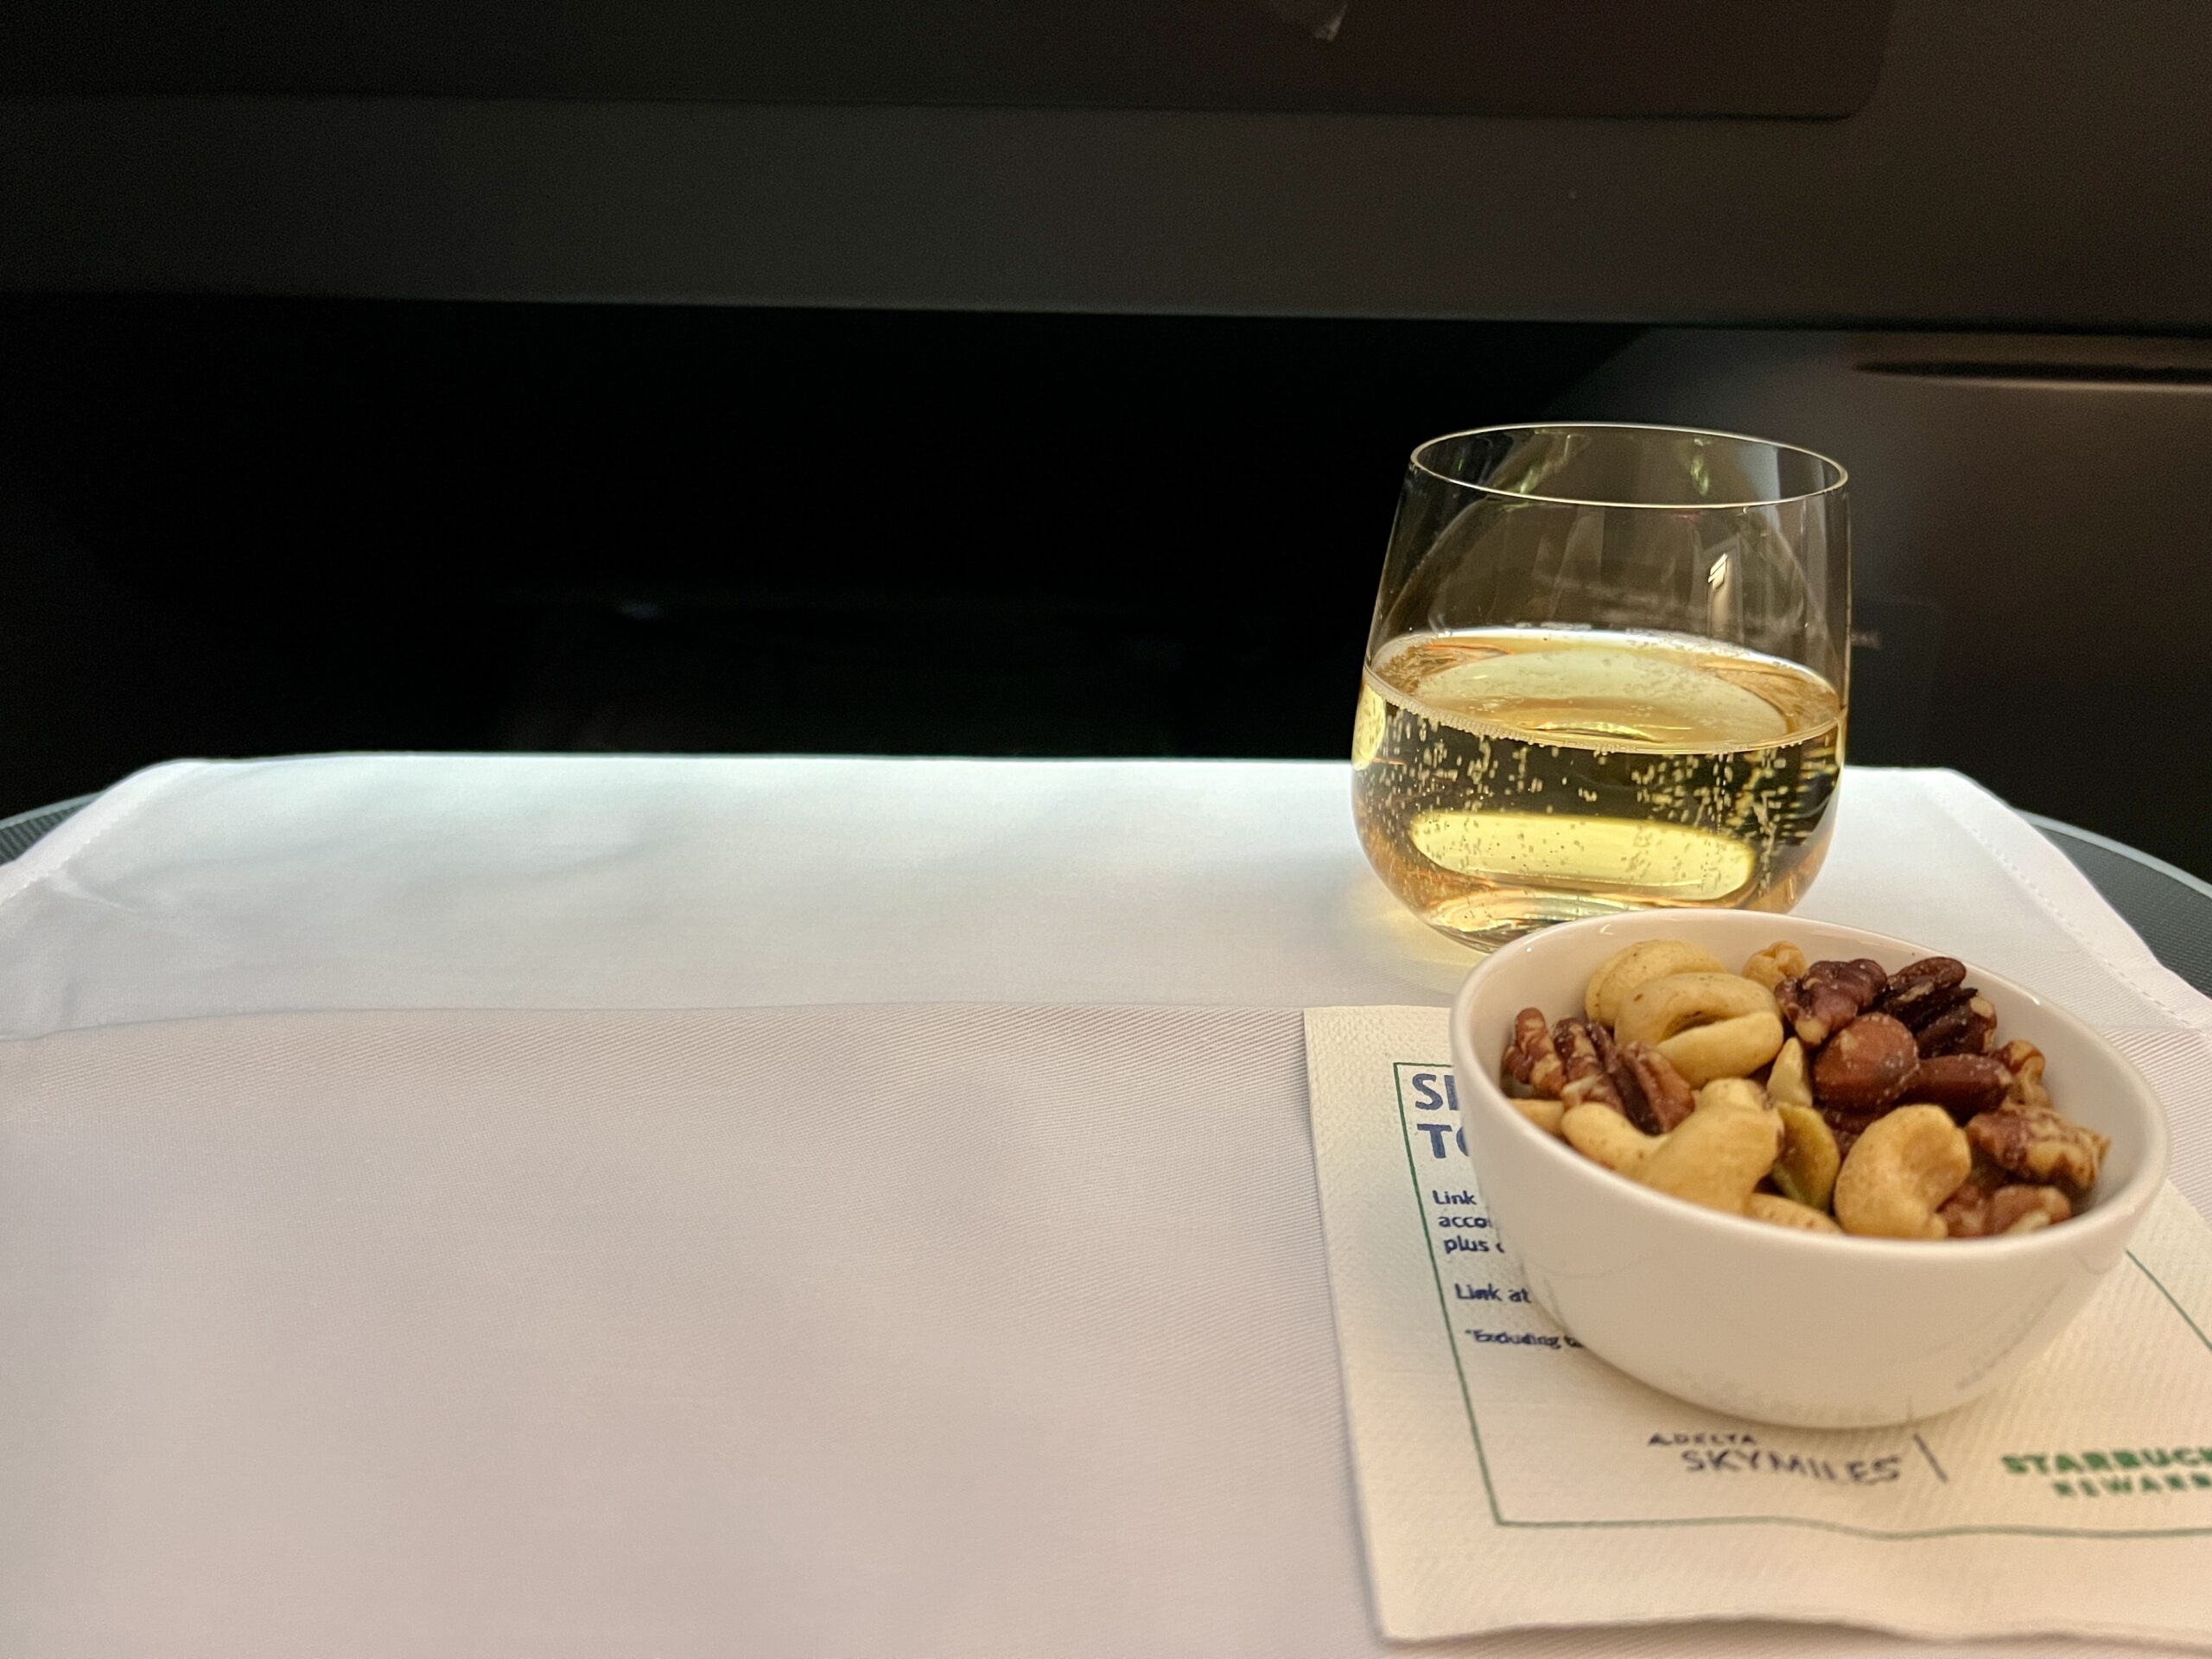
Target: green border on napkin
column 1398, row 1069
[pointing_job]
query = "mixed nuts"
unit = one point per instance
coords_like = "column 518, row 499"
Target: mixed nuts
column 1832, row 1097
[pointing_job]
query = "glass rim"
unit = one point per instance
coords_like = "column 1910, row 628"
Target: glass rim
column 1839, row 475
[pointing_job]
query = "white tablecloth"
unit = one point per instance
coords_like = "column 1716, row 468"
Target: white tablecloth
column 493, row 882
column 480, row 884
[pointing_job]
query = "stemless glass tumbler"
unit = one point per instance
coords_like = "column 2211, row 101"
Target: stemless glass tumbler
column 1608, row 670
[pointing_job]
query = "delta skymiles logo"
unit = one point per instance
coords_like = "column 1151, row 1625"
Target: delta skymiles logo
column 2149, row 1472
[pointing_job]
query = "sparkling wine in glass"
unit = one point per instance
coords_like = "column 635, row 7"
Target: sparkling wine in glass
column 1607, row 671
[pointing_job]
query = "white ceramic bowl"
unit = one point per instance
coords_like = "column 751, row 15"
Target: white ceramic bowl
column 1762, row 1321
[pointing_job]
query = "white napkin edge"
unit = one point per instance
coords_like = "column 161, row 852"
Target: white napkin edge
column 2069, row 897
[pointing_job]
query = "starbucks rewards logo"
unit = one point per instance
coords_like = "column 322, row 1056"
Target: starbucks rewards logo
column 2145, row 1472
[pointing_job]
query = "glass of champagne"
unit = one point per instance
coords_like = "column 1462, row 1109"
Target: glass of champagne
column 1608, row 670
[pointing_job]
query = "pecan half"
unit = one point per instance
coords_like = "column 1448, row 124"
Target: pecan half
column 1827, row 996
column 1947, row 1015
column 1633, row 1106
column 1965, row 1085
column 1532, row 1058
column 1924, row 1011
column 1587, row 1078
column 1667, row 1097
column 1865, row 1065
column 2040, row 1147
column 1915, row 983
column 1966, row 1029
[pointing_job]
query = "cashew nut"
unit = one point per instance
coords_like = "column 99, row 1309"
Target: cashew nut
column 1905, row 1164
column 1810, row 1156
column 1787, row 1212
column 1545, row 1112
column 1708, row 1025
column 1731, row 1095
column 1621, row 973
column 1779, row 961
column 1806, row 1170
column 1786, row 1083
column 1658, row 1009
column 1604, row 1136
column 1731, row 1048
column 1715, row 1158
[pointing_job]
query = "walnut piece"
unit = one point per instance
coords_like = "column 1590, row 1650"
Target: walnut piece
column 1827, row 996
column 1865, row 1065
column 1991, row 1204
column 2028, row 1209
column 1779, row 961
column 2025, row 1062
column 2040, row 1146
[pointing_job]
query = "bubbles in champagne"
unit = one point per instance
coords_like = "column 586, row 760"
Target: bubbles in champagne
column 1505, row 777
